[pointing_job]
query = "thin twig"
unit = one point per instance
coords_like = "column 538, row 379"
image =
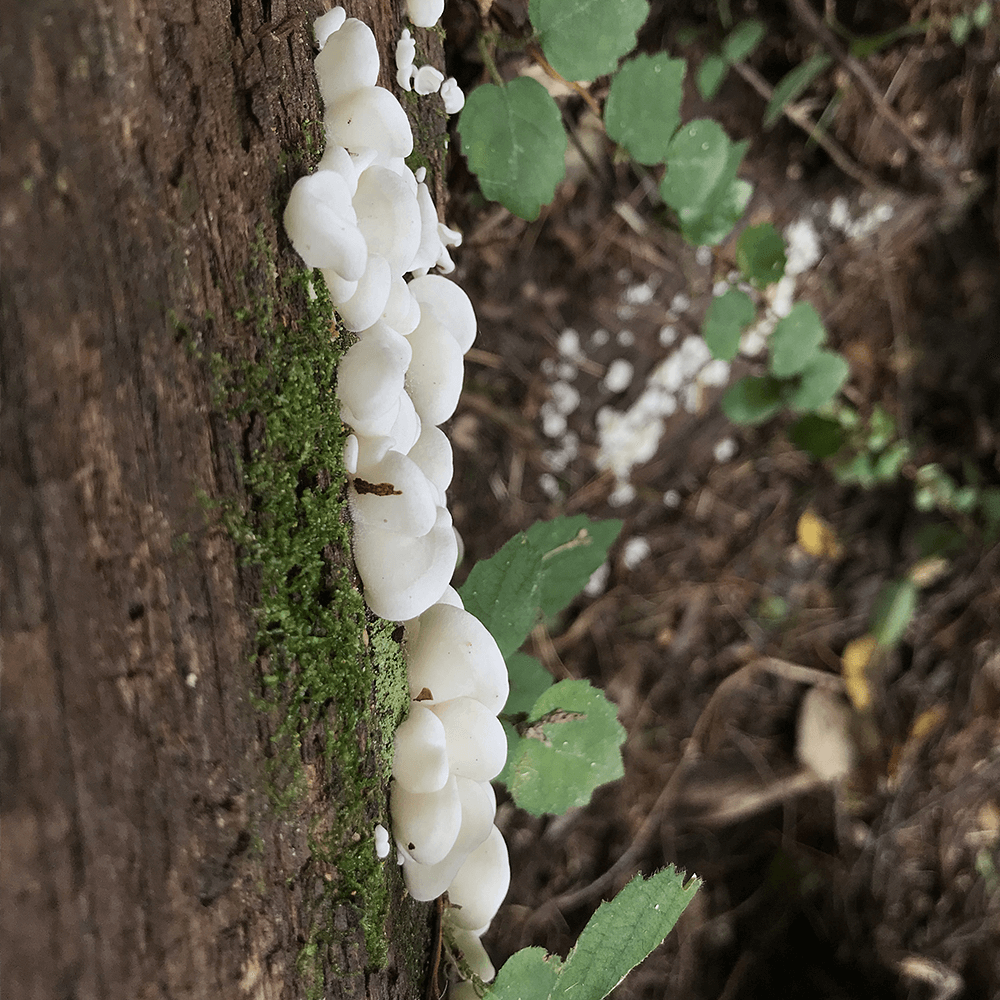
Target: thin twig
column 536, row 53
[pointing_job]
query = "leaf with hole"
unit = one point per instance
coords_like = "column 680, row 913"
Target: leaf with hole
column 795, row 341
column 515, row 144
column 644, row 106
column 728, row 316
column 570, row 746
column 584, row 39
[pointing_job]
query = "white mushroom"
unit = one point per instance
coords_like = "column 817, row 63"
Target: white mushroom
column 370, row 375
column 427, row 80
column 430, row 243
column 424, row 13
column 434, row 376
column 322, row 225
column 451, row 94
column 351, row 447
column 326, row 24
column 420, row 758
column 339, row 289
column 348, row 62
column 402, row 311
column 388, row 216
column 454, row 656
column 472, row 953
column 394, row 495
column 337, row 159
column 369, row 118
column 426, row 824
column 449, row 303
column 480, row 885
column 367, row 303
column 405, row 576
column 432, row 452
column 406, row 52
column 477, row 743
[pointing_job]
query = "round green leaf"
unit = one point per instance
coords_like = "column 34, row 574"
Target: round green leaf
column 820, row 382
column 717, row 218
column 697, row 157
column 514, row 141
column 795, row 341
column 752, row 400
column 584, row 39
column 727, row 317
column 711, row 73
column 820, row 436
column 644, row 106
column 760, row 254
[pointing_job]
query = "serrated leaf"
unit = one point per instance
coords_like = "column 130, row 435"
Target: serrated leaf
column 515, row 144
column 711, row 73
column 820, row 382
column 571, row 746
column 529, row 974
column 795, row 341
column 644, row 106
column 752, row 400
column 571, row 549
column 760, row 254
column 728, row 315
column 584, row 39
column 743, row 39
column 503, row 592
column 622, row 933
column 894, row 610
column 528, row 679
column 697, row 158
column 792, row 84
column 821, row 437
column 716, row 221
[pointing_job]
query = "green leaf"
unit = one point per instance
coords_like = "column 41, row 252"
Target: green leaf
column 697, row 158
column 792, row 84
column 728, row 315
column 820, row 382
column 528, row 679
column 742, row 40
column 752, row 400
column 584, row 39
column 616, row 939
column 982, row 14
column 644, row 106
column 711, row 73
column 760, row 254
column 894, row 610
column 503, row 592
column 716, row 220
column 572, row 548
column 821, row 437
column 961, row 28
column 570, row 748
column 515, row 143
column 623, row 932
column 890, row 463
column 795, row 341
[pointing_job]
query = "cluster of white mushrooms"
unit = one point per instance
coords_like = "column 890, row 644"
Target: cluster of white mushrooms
column 367, row 222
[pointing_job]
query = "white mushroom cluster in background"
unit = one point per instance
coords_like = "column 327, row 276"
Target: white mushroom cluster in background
column 426, row 79
column 369, row 224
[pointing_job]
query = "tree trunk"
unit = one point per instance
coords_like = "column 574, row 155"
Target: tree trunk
column 143, row 156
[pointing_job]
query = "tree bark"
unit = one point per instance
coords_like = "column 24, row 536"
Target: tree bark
column 139, row 859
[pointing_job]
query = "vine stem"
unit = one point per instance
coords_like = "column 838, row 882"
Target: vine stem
column 487, row 57
column 536, row 54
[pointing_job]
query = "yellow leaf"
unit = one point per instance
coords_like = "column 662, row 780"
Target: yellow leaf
column 854, row 666
column 927, row 721
column 928, row 571
column 817, row 538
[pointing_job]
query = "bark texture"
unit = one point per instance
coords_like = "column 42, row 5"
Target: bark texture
column 143, row 155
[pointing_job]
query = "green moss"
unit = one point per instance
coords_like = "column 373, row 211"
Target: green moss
column 331, row 678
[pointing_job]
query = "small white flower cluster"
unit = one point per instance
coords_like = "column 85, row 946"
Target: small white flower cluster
column 367, row 221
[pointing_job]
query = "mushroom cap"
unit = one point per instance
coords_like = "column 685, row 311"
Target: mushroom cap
column 432, row 452
column 347, row 62
column 452, row 95
column 322, row 224
column 388, row 216
column 337, row 159
column 454, row 656
column 473, row 954
column 368, row 118
column 404, row 576
column 434, row 376
column 367, row 303
column 402, row 311
column 424, row 13
column 405, row 432
column 420, row 759
column 477, row 743
column 430, row 243
column 339, row 289
column 449, row 304
column 326, row 24
column 480, row 885
column 393, row 495
column 371, row 374
column 351, row 451
column 426, row 824
column 427, row 80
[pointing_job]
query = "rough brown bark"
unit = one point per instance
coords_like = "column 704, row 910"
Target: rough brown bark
column 143, row 148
